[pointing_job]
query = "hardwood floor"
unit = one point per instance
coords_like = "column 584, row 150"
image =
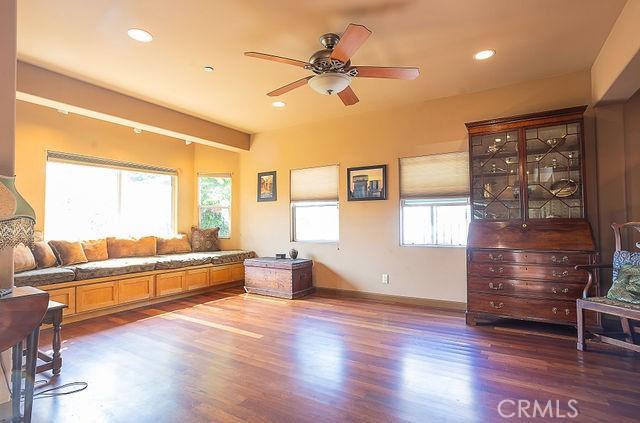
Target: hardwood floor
column 230, row 356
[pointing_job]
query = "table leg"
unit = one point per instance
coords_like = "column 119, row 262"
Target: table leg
column 32, row 357
column 57, row 359
column 16, row 380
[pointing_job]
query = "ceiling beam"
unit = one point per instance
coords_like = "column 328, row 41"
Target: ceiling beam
column 47, row 88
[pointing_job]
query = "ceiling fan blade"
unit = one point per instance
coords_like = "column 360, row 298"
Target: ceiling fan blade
column 353, row 37
column 279, row 59
column 383, row 72
column 348, row 97
column 289, row 87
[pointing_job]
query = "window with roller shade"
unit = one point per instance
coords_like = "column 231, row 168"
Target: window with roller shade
column 434, row 199
column 314, row 204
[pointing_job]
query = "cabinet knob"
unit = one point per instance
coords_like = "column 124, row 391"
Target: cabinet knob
column 494, row 305
column 498, row 270
column 524, row 226
column 555, row 259
column 497, row 288
column 562, row 274
column 555, row 290
column 497, row 257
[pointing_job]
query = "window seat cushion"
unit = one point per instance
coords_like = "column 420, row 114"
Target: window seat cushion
column 176, row 261
column 114, row 267
column 231, row 256
column 48, row 276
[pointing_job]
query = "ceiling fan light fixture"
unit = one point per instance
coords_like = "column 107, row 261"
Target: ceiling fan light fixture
column 140, row 35
column 330, row 83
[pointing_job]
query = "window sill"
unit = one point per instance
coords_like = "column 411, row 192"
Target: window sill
column 432, row 246
column 315, row 242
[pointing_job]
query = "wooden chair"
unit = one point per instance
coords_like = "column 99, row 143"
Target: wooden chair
column 628, row 313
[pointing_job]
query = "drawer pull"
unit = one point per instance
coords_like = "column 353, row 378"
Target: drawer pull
column 495, row 258
column 566, row 311
column 494, row 305
column 555, row 290
column 555, row 259
column 498, row 270
column 498, row 287
column 562, row 274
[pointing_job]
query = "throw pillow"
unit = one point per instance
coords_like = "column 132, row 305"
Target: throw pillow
column 95, row 250
column 626, row 286
column 179, row 244
column 23, row 259
column 68, row 252
column 205, row 239
column 142, row 247
column 621, row 258
column 44, row 255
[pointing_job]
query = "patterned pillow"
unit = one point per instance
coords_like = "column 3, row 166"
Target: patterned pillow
column 205, row 239
column 626, row 285
column 621, row 258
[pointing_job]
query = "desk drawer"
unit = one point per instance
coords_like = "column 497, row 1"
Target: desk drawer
column 522, row 271
column 525, row 257
column 532, row 288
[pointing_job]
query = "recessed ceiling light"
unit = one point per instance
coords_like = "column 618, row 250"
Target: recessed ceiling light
column 208, row 68
column 140, row 35
column 137, row 130
column 484, row 54
column 187, row 142
column 64, row 112
column 278, row 104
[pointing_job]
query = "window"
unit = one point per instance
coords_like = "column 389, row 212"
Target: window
column 214, row 203
column 88, row 198
column 314, row 204
column 434, row 200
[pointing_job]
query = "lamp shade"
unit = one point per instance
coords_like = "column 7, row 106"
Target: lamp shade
column 330, row 83
column 17, row 218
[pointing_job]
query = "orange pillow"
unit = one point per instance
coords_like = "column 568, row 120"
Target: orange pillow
column 142, row 247
column 44, row 255
column 68, row 252
column 95, row 250
column 23, row 259
column 178, row 244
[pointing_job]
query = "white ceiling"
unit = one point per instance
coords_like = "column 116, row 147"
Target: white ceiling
column 87, row 40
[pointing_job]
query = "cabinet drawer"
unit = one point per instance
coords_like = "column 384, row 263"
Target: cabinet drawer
column 197, row 278
column 543, row 289
column 220, row 275
column 65, row 296
column 135, row 289
column 526, row 308
column 550, row 273
column 237, row 272
column 96, row 296
column 169, row 283
column 524, row 257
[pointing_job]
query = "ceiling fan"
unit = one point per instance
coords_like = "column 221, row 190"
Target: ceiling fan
column 332, row 66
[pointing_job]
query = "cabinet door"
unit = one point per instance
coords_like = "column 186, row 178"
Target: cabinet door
column 96, row 296
column 65, row 296
column 135, row 289
column 170, row 283
column 197, row 278
column 237, row 272
column 220, row 275
column 495, row 176
column 554, row 171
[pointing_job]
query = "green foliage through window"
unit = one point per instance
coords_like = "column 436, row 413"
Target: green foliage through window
column 214, row 193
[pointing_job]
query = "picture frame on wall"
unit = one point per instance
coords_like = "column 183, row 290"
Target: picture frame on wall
column 367, row 183
column 267, row 186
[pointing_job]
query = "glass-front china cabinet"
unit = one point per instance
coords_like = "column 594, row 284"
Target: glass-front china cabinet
column 529, row 226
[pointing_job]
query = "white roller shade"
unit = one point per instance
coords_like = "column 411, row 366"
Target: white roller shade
column 315, row 184
column 437, row 175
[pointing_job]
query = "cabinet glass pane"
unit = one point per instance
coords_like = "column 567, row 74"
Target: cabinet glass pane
column 495, row 185
column 554, row 179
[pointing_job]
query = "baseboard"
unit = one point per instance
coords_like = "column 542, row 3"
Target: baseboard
column 397, row 299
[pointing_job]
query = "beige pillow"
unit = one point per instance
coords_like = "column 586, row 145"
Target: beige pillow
column 68, row 252
column 142, row 247
column 205, row 239
column 178, row 244
column 23, row 259
column 95, row 250
column 44, row 255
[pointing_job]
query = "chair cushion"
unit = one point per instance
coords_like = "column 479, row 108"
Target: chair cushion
column 626, row 285
column 610, row 302
column 621, row 258
column 114, row 267
column 176, row 261
column 50, row 275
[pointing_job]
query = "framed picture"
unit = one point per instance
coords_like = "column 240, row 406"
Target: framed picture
column 267, row 186
column 367, row 183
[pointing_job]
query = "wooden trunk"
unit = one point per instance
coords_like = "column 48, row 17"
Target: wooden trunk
column 283, row 278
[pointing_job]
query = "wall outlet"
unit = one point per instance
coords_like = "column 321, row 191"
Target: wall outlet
column 385, row 278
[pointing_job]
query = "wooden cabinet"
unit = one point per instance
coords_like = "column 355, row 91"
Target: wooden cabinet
column 96, row 296
column 135, row 289
column 65, row 296
column 197, row 278
column 170, row 283
column 528, row 209
column 220, row 275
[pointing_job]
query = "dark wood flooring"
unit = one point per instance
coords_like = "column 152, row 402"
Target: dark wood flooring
column 230, row 356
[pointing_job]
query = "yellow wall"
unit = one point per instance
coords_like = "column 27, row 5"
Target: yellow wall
column 369, row 231
column 40, row 129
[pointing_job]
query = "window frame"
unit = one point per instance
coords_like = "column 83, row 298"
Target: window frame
column 296, row 204
column 200, row 207
column 439, row 202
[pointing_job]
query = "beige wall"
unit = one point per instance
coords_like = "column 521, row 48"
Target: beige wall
column 369, row 231
column 40, row 129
